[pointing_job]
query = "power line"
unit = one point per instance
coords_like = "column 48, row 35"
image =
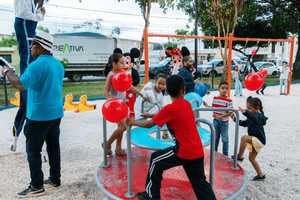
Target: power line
column 105, row 11
column 115, row 12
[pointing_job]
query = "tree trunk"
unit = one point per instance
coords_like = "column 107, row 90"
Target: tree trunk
column 296, row 67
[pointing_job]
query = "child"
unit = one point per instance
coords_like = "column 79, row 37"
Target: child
column 284, row 76
column 188, row 152
column 238, row 88
column 221, row 118
column 152, row 93
column 117, row 64
column 256, row 139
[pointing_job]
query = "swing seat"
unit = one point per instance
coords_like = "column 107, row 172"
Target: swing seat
column 142, row 137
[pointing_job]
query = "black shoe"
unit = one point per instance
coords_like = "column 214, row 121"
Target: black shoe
column 145, row 196
column 49, row 184
column 31, row 192
column 262, row 92
column 239, row 159
column 259, row 178
column 257, row 92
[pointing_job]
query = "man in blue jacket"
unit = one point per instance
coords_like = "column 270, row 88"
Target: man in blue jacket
column 186, row 73
column 43, row 80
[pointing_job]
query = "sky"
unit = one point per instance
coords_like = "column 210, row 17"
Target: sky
column 64, row 14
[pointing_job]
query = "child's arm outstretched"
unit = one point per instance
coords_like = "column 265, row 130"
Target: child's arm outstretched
column 142, row 123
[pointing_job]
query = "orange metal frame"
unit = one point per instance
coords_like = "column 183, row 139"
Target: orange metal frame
column 230, row 40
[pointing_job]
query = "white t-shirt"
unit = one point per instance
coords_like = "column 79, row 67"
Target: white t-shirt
column 284, row 73
column 150, row 93
column 26, row 9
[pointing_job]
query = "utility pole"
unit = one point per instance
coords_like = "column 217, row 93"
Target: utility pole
column 196, row 32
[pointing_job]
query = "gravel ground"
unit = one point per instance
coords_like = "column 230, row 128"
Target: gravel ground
column 81, row 153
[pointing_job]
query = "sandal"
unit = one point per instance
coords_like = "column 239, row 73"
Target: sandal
column 259, row 178
column 120, row 153
column 108, row 151
column 239, row 159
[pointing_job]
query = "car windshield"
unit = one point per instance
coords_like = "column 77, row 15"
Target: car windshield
column 259, row 64
column 164, row 61
column 213, row 62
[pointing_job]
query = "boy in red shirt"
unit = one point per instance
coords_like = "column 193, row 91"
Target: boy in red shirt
column 188, row 151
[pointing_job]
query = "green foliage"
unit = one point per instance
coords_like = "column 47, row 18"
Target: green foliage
column 42, row 28
column 9, row 41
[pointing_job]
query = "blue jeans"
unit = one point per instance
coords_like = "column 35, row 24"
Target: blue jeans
column 221, row 128
column 24, row 29
column 238, row 88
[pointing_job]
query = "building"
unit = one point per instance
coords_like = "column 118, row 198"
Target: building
column 11, row 54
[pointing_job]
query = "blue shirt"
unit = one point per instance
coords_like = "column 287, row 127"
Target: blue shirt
column 43, row 80
column 188, row 79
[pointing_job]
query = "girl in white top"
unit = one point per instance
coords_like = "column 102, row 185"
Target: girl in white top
column 152, row 94
column 284, row 76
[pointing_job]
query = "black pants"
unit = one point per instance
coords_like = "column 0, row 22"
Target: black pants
column 21, row 115
column 166, row 159
column 36, row 133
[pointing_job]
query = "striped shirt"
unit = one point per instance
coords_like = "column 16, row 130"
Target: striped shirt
column 221, row 102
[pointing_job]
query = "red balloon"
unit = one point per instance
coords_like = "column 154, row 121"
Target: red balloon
column 254, row 81
column 263, row 72
column 122, row 81
column 115, row 110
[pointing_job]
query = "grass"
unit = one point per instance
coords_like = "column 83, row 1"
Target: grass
column 95, row 89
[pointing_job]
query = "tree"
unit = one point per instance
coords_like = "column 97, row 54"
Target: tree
column 216, row 16
column 116, row 31
column 8, row 41
column 42, row 28
column 145, row 6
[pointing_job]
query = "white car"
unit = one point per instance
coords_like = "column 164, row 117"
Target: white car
column 216, row 67
column 271, row 67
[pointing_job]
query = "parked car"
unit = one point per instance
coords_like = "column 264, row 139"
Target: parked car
column 271, row 67
column 162, row 67
column 216, row 67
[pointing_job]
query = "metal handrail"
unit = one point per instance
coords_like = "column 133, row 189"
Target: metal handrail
column 236, row 137
column 212, row 150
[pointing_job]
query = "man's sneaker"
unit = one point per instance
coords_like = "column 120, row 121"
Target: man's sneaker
column 31, row 192
column 49, row 184
column 143, row 196
column 259, row 178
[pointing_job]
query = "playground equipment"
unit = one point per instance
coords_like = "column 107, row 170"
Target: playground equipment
column 83, row 105
column 115, row 176
column 69, row 105
column 15, row 100
column 230, row 40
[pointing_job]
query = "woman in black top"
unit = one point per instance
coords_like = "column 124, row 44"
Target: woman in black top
column 256, row 139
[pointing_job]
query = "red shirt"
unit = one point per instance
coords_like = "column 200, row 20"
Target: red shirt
column 180, row 119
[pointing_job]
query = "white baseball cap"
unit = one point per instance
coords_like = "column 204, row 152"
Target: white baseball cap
column 44, row 39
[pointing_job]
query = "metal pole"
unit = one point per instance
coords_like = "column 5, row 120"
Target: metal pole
column 196, row 32
column 129, row 193
column 229, row 62
column 291, row 60
column 236, row 137
column 146, row 55
column 5, row 91
column 212, row 151
column 105, row 162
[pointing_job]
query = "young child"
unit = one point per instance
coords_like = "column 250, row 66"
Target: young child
column 117, row 64
column 238, row 88
column 221, row 118
column 188, row 152
column 256, row 139
column 152, row 93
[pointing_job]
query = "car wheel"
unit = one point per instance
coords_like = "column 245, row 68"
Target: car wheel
column 76, row 77
column 213, row 73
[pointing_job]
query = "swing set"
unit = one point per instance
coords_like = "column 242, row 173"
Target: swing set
column 230, row 39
